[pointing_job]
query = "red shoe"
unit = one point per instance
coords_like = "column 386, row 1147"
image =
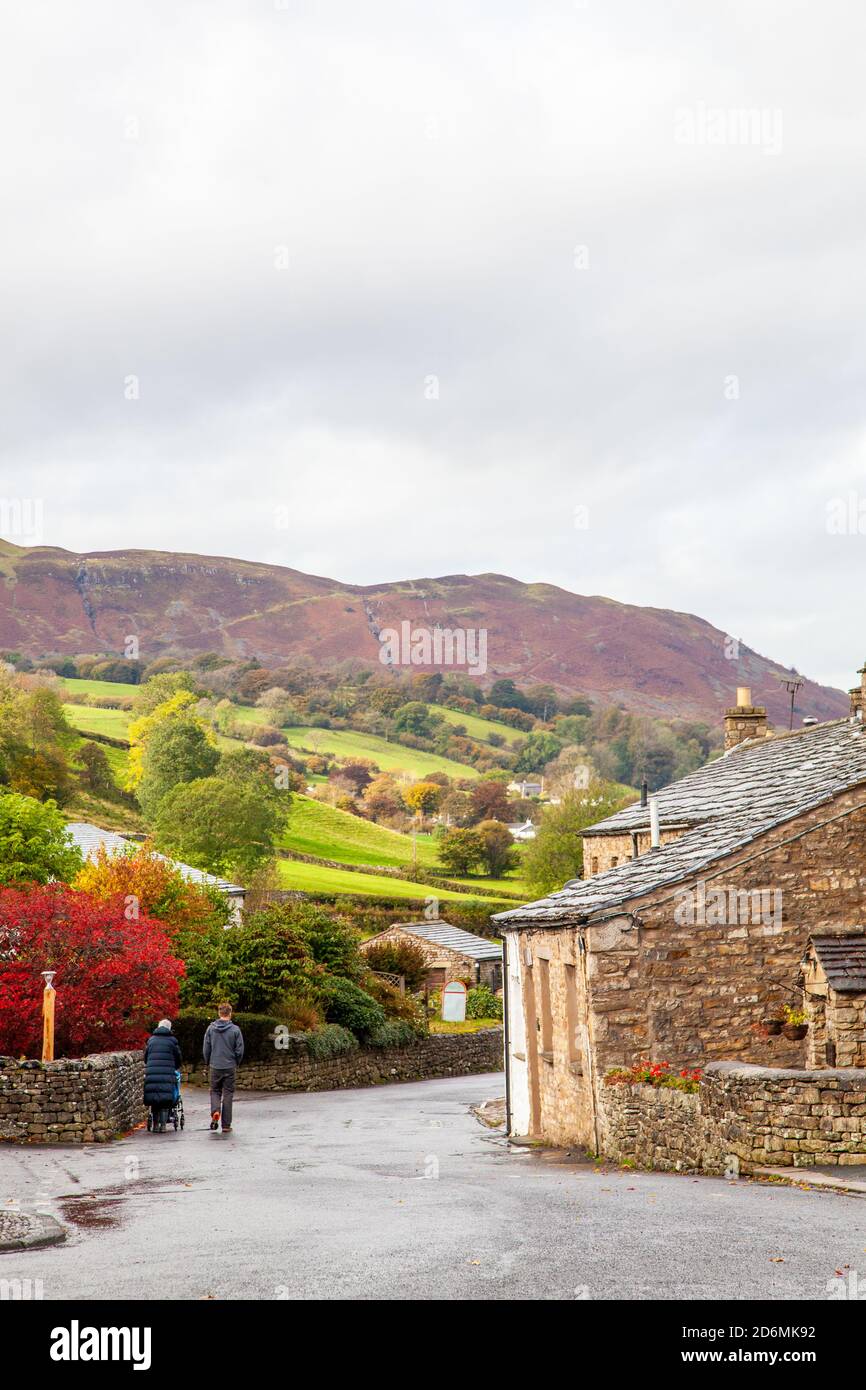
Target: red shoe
column 215, row 1120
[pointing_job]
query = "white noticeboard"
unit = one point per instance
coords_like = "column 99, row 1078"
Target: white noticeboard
column 454, row 1002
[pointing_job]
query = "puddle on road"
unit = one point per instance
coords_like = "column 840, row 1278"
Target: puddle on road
column 105, row 1210
column 92, row 1213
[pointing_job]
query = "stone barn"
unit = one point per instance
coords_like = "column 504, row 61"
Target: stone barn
column 452, row 953
column 691, row 934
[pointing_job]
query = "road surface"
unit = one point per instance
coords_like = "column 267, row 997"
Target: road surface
column 398, row 1192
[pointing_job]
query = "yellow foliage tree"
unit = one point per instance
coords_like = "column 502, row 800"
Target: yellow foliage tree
column 141, row 729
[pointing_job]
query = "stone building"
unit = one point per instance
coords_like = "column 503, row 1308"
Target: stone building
column 834, row 970
column 452, row 953
column 692, row 931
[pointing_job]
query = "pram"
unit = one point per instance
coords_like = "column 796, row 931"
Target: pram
column 158, row 1116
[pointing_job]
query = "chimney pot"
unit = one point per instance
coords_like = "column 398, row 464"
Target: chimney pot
column 744, row 697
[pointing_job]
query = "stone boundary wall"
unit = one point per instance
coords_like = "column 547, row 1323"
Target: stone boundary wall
column 656, row 1127
column 759, row 1116
column 439, row 1054
column 72, row 1101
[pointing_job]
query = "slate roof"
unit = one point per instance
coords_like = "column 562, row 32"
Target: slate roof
column 726, row 804
column 843, row 959
column 89, row 838
column 443, row 934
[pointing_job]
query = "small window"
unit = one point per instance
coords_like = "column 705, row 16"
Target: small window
column 593, row 865
column 614, row 861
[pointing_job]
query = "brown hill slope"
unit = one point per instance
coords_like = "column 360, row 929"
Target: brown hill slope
column 648, row 659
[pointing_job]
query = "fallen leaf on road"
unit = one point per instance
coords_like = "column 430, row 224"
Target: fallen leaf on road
column 777, row 1260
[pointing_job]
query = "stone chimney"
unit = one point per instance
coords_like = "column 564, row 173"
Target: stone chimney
column 858, row 696
column 745, row 720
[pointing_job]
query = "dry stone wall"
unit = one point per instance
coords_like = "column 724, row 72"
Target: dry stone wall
column 757, row 1116
column 76, row 1101
column 440, row 1054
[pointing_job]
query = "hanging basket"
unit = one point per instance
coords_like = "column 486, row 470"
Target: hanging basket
column 794, row 1032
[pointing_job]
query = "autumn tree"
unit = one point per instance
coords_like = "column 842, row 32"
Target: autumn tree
column 460, row 851
column 393, row 956
column 160, row 689
column 423, row 797
column 490, row 800
column 113, row 974
column 147, row 883
column 382, row 796
column 500, row 851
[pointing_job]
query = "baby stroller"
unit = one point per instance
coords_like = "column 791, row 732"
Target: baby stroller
column 159, row 1116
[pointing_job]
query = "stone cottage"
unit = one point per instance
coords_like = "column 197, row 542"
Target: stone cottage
column 451, row 952
column 689, row 931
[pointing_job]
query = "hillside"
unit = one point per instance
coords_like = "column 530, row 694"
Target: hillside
column 647, row 659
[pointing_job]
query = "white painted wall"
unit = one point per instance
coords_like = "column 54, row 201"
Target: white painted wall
column 519, row 1067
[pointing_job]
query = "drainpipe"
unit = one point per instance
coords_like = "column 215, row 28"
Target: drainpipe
column 506, row 1035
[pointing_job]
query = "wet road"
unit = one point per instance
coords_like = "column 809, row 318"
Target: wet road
column 399, row 1192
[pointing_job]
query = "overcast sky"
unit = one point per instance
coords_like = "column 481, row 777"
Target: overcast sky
column 392, row 290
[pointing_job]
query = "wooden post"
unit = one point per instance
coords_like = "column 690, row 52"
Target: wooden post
column 48, row 998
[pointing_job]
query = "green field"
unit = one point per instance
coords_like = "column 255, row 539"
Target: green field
column 98, row 721
column 322, row 830
column 99, row 687
column 390, row 757
column 315, row 878
column 478, row 728
column 328, row 833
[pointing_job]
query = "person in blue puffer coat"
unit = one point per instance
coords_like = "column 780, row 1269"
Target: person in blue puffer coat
column 162, row 1058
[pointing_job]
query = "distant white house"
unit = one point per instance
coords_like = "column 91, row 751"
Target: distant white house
column 526, row 789
column 524, row 831
column 91, row 838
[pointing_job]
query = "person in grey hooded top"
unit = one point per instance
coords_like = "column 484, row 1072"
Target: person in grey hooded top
column 223, row 1051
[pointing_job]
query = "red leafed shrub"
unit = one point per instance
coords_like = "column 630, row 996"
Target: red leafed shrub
column 114, row 975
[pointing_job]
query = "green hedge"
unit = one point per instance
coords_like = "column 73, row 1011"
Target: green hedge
column 394, row 1033
column 191, row 1024
column 331, row 1040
